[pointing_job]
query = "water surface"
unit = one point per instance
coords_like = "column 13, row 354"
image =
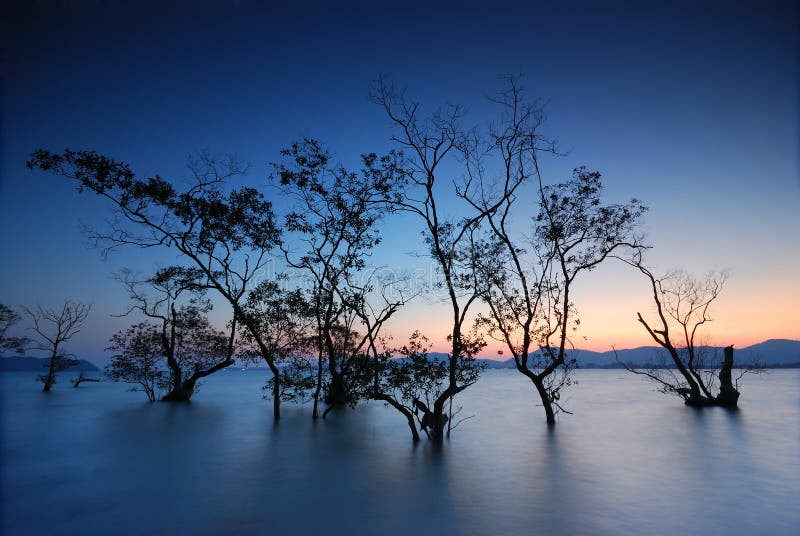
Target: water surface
column 101, row 460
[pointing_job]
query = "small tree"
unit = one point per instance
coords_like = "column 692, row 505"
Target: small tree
column 82, row 377
column 8, row 318
column 682, row 304
column 52, row 329
column 192, row 348
column 284, row 321
column 410, row 381
column 139, row 359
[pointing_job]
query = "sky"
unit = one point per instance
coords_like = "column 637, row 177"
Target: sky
column 691, row 107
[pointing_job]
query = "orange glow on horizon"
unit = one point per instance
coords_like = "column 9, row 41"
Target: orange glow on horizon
column 743, row 316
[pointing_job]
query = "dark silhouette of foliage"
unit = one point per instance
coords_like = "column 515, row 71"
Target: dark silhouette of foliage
column 410, row 381
column 284, row 320
column 527, row 279
column 138, row 358
column 335, row 218
column 192, row 349
column 8, row 318
column 227, row 234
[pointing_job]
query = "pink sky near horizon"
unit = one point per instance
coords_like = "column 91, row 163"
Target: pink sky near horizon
column 747, row 312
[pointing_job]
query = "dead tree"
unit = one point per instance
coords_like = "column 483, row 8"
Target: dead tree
column 52, row 329
column 82, row 378
column 682, row 303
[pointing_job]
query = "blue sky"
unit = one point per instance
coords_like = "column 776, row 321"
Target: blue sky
column 692, row 107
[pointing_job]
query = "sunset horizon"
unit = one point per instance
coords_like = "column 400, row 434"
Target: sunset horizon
column 360, row 268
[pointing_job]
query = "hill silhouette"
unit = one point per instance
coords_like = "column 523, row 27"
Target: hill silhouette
column 36, row 364
column 771, row 353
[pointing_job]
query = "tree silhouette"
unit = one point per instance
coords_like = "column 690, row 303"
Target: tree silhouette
column 138, row 357
column 682, row 305
column 227, row 234
column 52, row 328
column 8, row 318
column 284, row 320
column 429, row 141
column 336, row 220
column 190, row 347
column 409, row 380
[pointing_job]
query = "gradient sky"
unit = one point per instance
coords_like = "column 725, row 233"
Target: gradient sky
column 692, row 107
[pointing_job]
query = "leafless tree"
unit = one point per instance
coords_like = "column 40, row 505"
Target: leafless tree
column 682, row 305
column 53, row 328
column 83, row 378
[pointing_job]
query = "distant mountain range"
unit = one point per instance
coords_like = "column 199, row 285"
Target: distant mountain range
column 36, row 364
column 771, row 353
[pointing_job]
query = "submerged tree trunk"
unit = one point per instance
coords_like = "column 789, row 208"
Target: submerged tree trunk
column 50, row 379
column 412, row 425
column 276, row 389
column 82, row 378
column 728, row 394
column 181, row 391
column 318, row 388
column 545, row 397
column 436, row 419
column 337, row 394
column 276, row 398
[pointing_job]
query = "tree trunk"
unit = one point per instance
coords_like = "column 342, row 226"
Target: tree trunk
column 728, row 395
column 81, row 378
column 437, row 420
column 337, row 395
column 182, row 392
column 412, row 425
column 51, row 373
column 545, row 397
column 439, row 426
column 318, row 389
column 276, row 384
column 276, row 398
column 48, row 382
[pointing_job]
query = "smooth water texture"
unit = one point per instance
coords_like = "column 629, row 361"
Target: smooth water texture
column 101, row 460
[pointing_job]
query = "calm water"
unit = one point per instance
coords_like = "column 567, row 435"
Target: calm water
column 100, row 460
